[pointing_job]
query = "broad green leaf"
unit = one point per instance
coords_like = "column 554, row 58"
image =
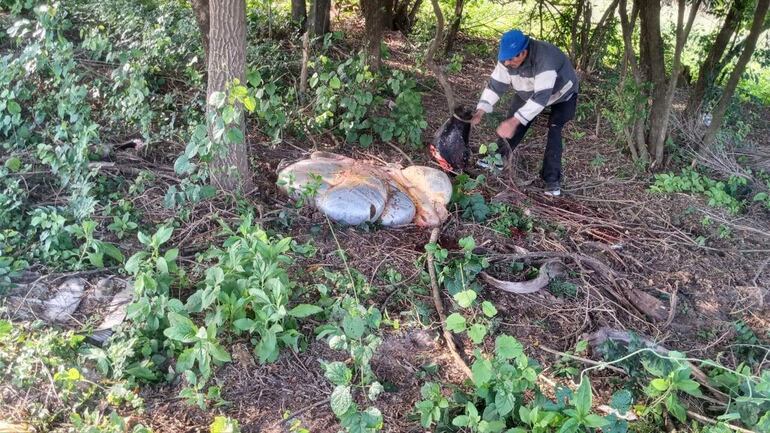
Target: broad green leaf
column 455, row 322
column 354, row 327
column 341, row 400
column 365, row 140
column 217, row 99
column 676, row 408
column 583, row 397
column 13, row 164
column 465, row 298
column 593, row 420
column 689, row 386
column 234, row 135
column 504, row 402
column 228, row 114
column 467, row 243
column 507, row 347
column 250, row 104
column 181, row 329
column 659, row 384
column 481, row 371
column 223, row 424
column 163, row 234
column 375, row 389
column 13, row 107
column 477, row 332
column 488, row 309
column 304, row 310
column 460, row 421
column 621, row 401
column 338, row 373
column 5, row 328
column 335, row 83
column 218, row 353
column 244, row 324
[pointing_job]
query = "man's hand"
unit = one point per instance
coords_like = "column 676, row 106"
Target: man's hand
column 508, row 127
column 476, row 119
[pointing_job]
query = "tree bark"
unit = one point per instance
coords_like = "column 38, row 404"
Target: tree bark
column 634, row 132
column 727, row 94
column 227, row 62
column 455, row 27
column 431, row 62
column 404, row 15
column 299, row 13
column 376, row 16
column 654, row 67
column 320, row 15
column 707, row 72
column 201, row 11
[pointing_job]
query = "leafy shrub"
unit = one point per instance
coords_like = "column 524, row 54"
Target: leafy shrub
column 720, row 194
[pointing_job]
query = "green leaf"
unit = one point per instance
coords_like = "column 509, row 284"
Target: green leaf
column 467, row 243
column 676, row 408
column 181, row 329
column 481, row 371
column 455, row 322
column 689, row 386
column 483, row 149
column 13, row 164
column 583, row 397
column 163, row 234
column 244, row 324
column 365, row 140
column 593, row 420
column 504, row 402
column 354, row 327
column 465, row 298
column 507, row 347
column 304, row 310
column 13, row 107
column 5, row 328
column 477, row 332
column 341, row 400
column 223, row 424
column 250, row 104
column 234, row 136
column 621, row 401
column 460, row 421
column 488, row 309
column 659, row 384
column 375, row 389
column 335, row 83
column 218, row 353
column 761, row 196
column 111, row 251
column 228, row 114
column 217, row 99
column 338, row 373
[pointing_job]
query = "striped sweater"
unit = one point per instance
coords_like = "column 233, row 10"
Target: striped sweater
column 546, row 77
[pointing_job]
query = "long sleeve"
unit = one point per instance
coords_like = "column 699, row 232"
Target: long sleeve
column 499, row 83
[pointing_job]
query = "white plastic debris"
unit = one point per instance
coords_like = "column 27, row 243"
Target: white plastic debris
column 65, row 302
column 352, row 192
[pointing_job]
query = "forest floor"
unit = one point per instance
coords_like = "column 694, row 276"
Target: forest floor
column 606, row 212
column 645, row 242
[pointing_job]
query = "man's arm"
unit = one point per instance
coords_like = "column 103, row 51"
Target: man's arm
column 499, row 83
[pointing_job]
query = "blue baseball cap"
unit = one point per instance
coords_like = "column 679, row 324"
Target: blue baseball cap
column 512, row 43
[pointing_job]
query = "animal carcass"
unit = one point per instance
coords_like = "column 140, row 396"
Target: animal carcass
column 353, row 192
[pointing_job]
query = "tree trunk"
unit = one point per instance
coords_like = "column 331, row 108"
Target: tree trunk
column 320, row 15
column 299, row 13
column 707, row 72
column 727, row 94
column 635, row 132
column 596, row 43
column 376, row 16
column 404, row 15
column 455, row 27
column 654, row 66
column 227, row 62
column 201, row 11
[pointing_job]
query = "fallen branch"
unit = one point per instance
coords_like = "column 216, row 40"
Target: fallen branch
column 703, row 418
column 581, row 359
column 548, row 271
column 450, row 342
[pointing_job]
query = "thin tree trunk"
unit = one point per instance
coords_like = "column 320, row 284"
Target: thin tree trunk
column 227, row 62
column 455, row 27
column 573, row 47
column 299, row 13
column 596, row 43
column 201, row 11
column 431, row 62
column 682, row 32
column 727, row 94
column 707, row 72
column 303, row 69
column 634, row 133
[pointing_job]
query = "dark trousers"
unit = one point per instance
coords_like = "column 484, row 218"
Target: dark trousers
column 561, row 113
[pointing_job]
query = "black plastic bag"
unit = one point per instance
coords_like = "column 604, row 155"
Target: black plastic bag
column 450, row 143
